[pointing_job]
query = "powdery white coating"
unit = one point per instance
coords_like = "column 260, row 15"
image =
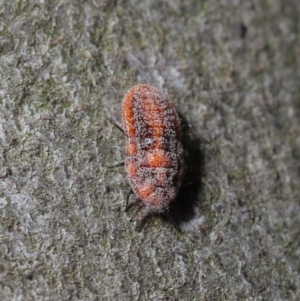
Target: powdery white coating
column 153, row 151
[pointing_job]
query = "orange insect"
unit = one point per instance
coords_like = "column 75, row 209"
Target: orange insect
column 153, row 159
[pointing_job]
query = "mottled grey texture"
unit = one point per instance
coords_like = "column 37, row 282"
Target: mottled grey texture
column 232, row 70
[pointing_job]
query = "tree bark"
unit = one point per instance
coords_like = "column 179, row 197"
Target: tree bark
column 231, row 68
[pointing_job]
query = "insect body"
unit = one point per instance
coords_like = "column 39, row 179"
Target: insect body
column 153, row 159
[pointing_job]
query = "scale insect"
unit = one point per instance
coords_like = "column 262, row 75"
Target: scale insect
column 153, row 157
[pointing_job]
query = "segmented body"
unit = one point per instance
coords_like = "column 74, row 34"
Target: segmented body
column 153, row 159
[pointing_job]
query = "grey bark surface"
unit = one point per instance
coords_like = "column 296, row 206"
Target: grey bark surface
column 231, row 68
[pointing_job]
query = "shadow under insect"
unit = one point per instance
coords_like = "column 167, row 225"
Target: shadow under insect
column 190, row 194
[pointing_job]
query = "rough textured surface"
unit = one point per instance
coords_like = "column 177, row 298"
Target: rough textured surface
column 231, row 69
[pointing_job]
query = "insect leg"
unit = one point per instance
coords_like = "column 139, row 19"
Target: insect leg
column 117, row 126
column 127, row 199
column 117, row 165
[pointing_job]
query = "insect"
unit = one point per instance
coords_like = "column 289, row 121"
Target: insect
column 153, row 160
